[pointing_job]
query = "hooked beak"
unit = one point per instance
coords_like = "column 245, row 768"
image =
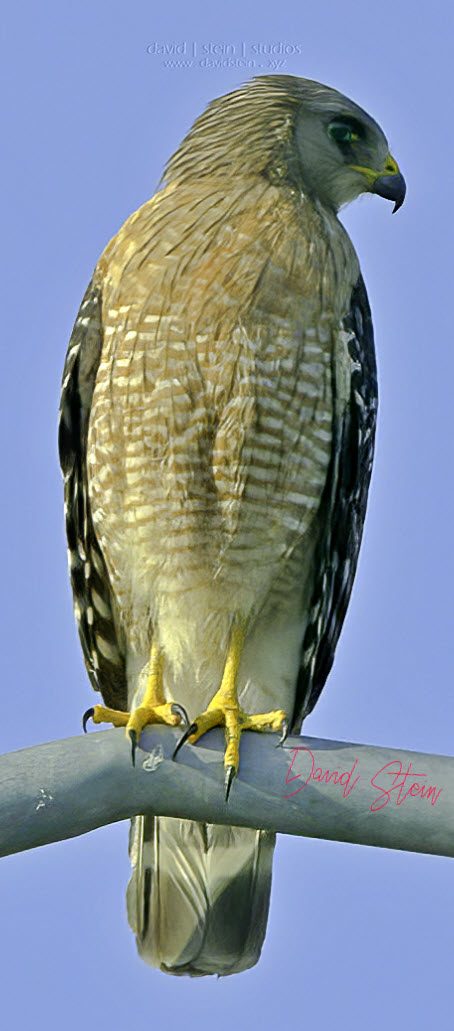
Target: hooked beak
column 388, row 183
column 393, row 187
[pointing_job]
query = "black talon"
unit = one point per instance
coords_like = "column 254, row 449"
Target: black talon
column 228, row 781
column 133, row 740
column 284, row 734
column 184, row 737
column 178, row 710
column 88, row 715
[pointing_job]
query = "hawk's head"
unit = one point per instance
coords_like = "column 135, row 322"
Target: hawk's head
column 342, row 150
column 292, row 131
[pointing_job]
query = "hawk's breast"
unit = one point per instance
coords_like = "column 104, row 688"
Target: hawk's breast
column 211, row 428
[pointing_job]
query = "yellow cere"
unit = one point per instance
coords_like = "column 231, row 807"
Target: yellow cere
column 390, row 168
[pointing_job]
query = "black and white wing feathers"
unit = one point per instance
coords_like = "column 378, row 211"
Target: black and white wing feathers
column 94, row 605
column 343, row 508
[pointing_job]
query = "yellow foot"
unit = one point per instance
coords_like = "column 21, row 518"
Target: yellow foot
column 153, row 709
column 135, row 721
column 224, row 710
column 234, row 720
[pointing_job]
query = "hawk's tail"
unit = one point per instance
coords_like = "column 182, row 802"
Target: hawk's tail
column 199, row 894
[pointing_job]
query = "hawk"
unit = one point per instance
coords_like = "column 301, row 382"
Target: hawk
column 217, row 431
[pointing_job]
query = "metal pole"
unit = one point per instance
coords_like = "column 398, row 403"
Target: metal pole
column 323, row 789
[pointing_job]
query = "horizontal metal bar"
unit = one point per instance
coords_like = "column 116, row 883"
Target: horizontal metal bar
column 324, row 789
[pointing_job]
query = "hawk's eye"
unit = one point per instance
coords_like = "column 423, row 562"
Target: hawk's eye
column 342, row 132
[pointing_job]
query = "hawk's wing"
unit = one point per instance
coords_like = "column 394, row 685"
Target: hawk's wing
column 94, row 605
column 344, row 508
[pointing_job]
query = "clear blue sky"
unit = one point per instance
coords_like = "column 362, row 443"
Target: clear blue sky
column 357, row 937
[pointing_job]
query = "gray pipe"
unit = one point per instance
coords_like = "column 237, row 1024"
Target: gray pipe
column 322, row 789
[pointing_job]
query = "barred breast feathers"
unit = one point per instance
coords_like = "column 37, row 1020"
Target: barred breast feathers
column 227, row 260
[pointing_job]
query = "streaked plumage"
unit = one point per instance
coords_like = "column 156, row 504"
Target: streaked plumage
column 218, row 416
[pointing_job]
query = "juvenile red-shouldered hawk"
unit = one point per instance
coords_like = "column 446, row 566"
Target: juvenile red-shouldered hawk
column 217, row 431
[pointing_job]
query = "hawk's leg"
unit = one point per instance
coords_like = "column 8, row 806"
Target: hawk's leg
column 224, row 710
column 152, row 709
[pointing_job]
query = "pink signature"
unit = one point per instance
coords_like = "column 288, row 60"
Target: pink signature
column 391, row 783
